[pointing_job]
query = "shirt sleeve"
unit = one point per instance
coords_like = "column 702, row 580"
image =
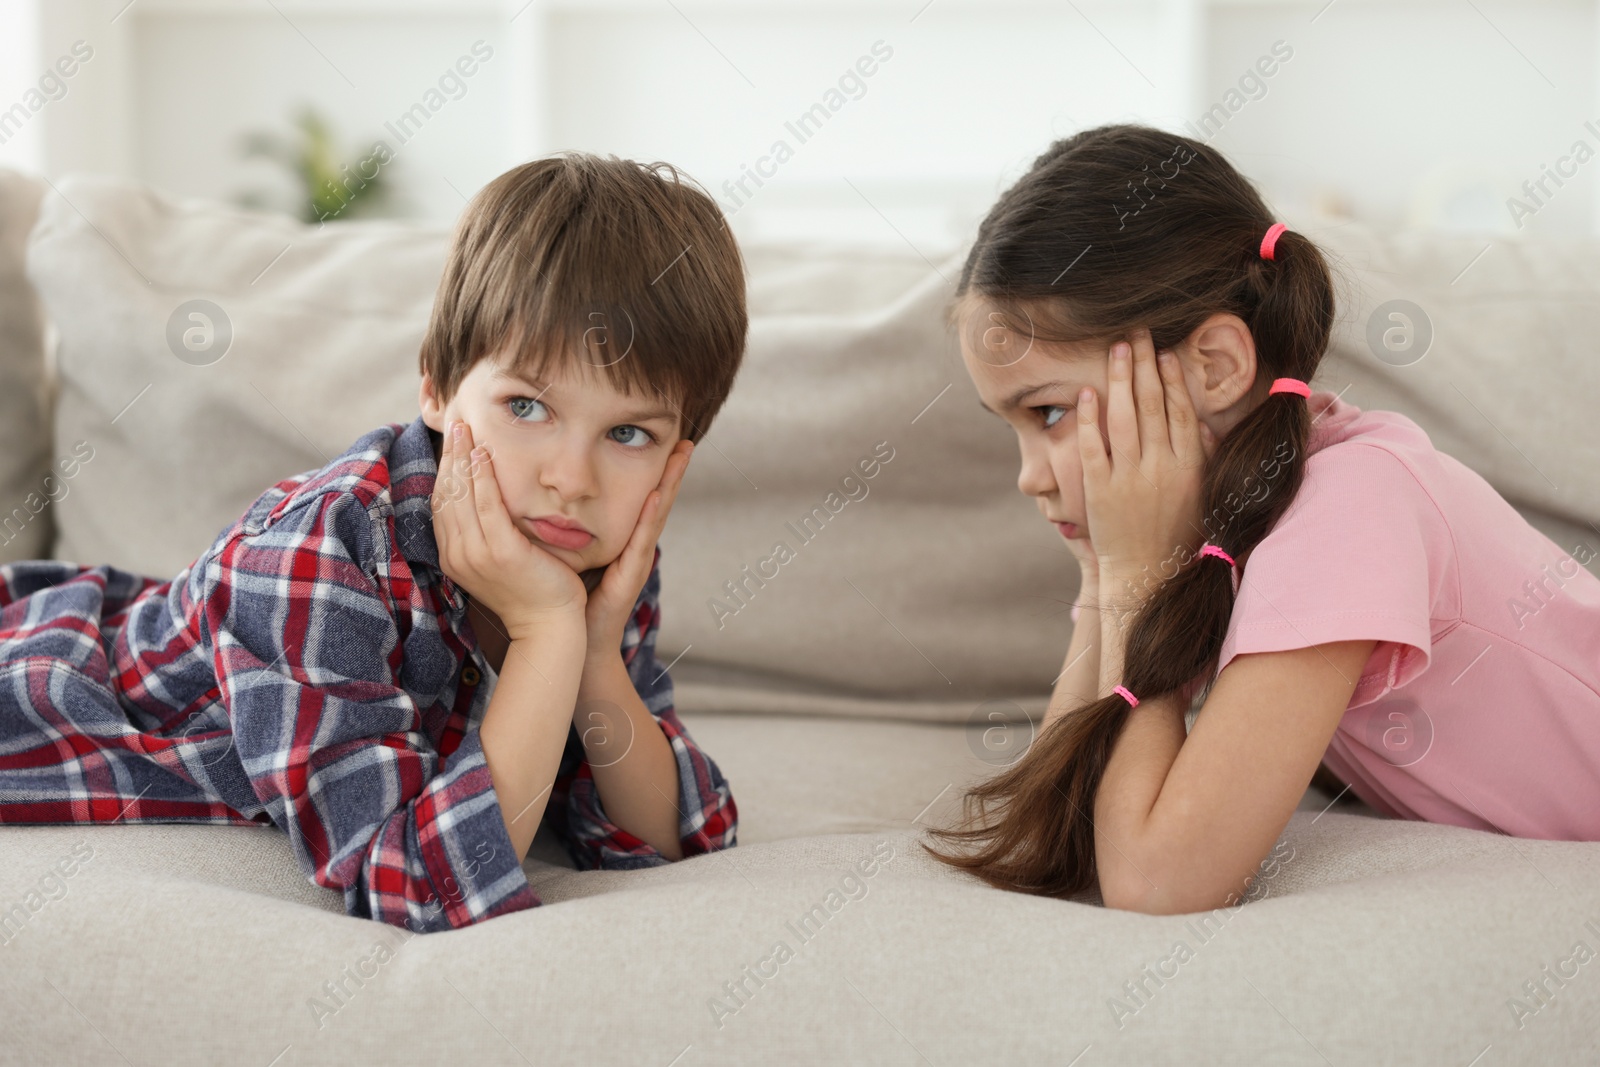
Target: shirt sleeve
column 1355, row 557
column 707, row 815
column 307, row 653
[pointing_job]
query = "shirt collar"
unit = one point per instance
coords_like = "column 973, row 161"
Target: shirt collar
column 412, row 474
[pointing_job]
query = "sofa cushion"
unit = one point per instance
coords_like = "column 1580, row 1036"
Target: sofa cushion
column 1505, row 385
column 312, row 338
column 930, row 589
column 1364, row 940
column 853, row 436
column 28, row 485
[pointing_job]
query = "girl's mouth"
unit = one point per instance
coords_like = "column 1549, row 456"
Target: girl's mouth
column 1068, row 530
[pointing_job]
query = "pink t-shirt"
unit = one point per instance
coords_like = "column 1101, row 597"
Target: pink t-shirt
column 1480, row 704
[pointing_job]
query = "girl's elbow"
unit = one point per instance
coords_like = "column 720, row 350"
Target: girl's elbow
column 1116, row 899
column 1121, row 895
column 1130, row 878
column 1125, row 889
column 1148, row 899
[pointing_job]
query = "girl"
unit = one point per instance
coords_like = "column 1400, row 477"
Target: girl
column 1341, row 591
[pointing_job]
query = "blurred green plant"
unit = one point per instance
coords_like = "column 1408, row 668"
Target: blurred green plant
column 327, row 189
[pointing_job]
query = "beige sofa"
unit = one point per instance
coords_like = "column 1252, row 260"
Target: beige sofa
column 848, row 699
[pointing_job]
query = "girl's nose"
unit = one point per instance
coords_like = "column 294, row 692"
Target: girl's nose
column 1036, row 478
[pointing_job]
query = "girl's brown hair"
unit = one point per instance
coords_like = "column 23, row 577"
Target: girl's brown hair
column 1159, row 231
column 624, row 265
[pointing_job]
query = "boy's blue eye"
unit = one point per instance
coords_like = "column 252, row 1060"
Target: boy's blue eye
column 527, row 409
column 641, row 441
column 522, row 406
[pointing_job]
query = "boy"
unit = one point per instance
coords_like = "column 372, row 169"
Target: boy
column 408, row 658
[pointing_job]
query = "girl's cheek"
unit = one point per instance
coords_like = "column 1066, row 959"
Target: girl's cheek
column 1063, row 467
column 1069, row 480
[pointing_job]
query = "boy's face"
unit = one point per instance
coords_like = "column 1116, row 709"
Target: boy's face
column 572, row 448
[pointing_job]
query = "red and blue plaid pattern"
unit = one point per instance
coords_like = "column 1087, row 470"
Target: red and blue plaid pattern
column 313, row 670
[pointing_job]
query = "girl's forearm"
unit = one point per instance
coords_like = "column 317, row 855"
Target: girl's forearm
column 1140, row 761
column 1079, row 681
column 524, row 729
column 1117, row 606
column 634, row 769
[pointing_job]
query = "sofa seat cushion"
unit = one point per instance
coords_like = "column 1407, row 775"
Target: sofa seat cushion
column 1367, row 940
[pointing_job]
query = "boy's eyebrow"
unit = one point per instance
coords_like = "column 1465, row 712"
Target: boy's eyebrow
column 1016, row 398
column 649, row 415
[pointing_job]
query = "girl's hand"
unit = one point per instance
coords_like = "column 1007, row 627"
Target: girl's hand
column 1143, row 498
column 481, row 549
column 611, row 603
column 1088, row 573
column 1082, row 549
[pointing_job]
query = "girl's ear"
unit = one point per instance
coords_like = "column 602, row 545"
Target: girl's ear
column 1222, row 352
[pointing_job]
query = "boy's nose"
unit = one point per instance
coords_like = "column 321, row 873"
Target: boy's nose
column 568, row 472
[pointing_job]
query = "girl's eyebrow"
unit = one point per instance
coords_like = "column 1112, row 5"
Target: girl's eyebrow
column 1015, row 399
column 649, row 415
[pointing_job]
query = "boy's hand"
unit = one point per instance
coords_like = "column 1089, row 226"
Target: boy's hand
column 481, row 549
column 611, row 603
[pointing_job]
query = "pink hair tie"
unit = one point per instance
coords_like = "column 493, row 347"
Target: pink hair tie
column 1133, row 701
column 1213, row 550
column 1269, row 243
column 1289, row 385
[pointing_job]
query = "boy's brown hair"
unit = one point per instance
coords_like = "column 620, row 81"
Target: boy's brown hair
column 623, row 265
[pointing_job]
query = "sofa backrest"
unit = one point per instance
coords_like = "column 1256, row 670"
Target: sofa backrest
column 929, row 589
column 27, row 483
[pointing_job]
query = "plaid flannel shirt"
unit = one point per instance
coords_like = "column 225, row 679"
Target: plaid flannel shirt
column 313, row 670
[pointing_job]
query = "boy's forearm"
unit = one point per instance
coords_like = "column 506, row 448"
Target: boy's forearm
column 632, row 761
column 524, row 729
column 1079, row 681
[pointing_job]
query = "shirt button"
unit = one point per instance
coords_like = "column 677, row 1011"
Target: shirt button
column 470, row 675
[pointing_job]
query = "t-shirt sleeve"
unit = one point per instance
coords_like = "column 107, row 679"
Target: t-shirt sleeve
column 1354, row 558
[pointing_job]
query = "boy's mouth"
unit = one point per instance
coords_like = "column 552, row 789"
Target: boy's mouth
column 561, row 531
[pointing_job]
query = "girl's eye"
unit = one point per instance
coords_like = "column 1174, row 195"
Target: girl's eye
column 644, row 438
column 1048, row 421
column 522, row 406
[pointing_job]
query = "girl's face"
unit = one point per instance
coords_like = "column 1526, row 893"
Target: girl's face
column 1038, row 396
column 1036, row 392
column 573, row 448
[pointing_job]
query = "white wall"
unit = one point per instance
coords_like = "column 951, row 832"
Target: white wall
column 1405, row 112
column 21, row 142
